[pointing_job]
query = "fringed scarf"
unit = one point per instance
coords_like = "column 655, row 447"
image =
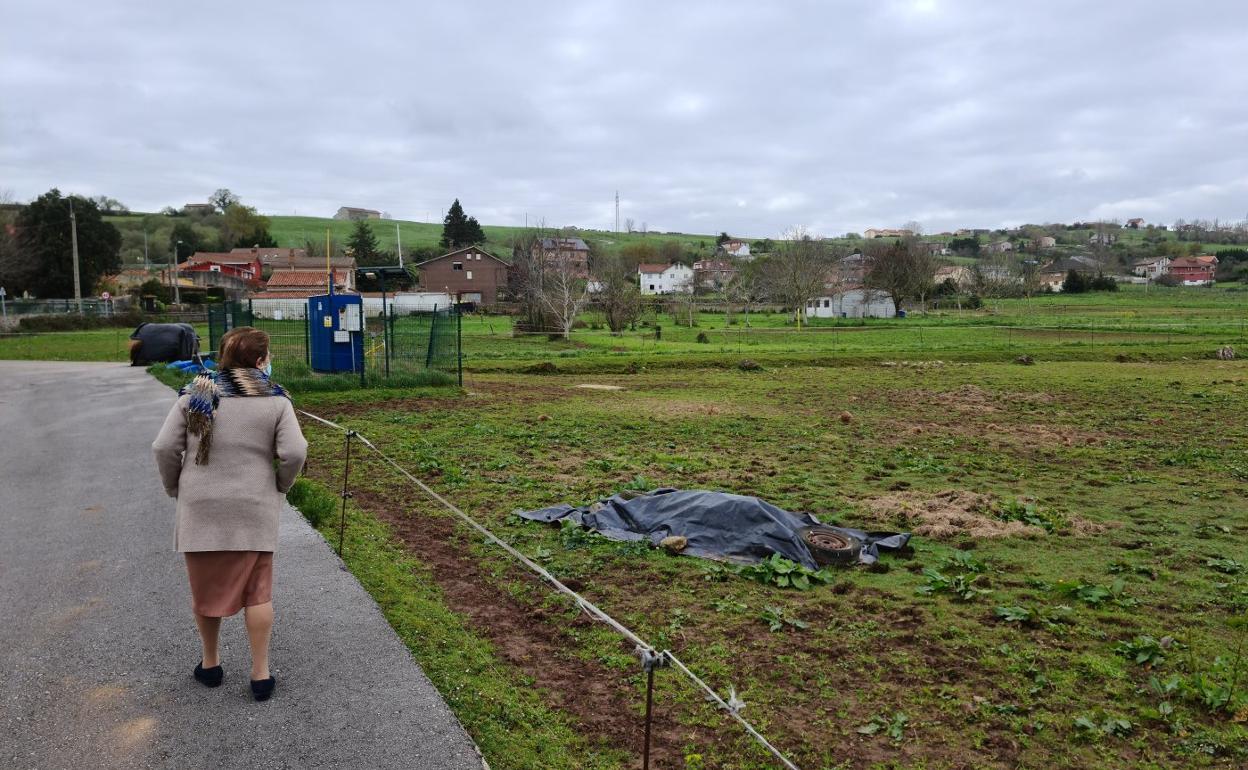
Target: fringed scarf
column 206, row 392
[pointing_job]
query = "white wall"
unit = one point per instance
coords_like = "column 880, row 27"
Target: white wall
column 676, row 278
column 399, row 304
column 853, row 303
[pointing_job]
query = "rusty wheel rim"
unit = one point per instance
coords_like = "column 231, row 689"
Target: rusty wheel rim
column 828, row 540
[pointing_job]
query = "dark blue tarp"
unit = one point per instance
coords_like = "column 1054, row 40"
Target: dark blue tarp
column 162, row 343
column 717, row 525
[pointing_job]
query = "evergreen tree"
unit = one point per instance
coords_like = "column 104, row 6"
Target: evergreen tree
column 363, row 244
column 1075, row 283
column 459, row 230
column 191, row 240
column 44, row 246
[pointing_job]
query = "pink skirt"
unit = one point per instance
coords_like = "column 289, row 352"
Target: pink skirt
column 223, row 582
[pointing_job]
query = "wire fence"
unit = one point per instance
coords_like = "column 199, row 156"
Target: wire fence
column 650, row 657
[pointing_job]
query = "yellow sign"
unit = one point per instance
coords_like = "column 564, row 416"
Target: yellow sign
column 328, row 322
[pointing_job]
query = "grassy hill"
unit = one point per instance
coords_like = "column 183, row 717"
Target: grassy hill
column 296, row 231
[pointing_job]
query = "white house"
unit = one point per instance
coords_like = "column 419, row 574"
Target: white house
column 852, row 303
column 735, row 248
column 1152, row 268
column 664, row 279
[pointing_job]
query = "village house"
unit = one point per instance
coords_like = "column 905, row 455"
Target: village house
column 242, row 266
column 937, row 248
column 571, row 251
column 470, row 274
column 1151, row 268
column 1000, row 247
column 734, row 248
column 713, row 273
column 1194, row 271
column 849, row 269
column 664, row 279
column 961, row 275
column 1136, row 223
column 199, row 208
column 293, row 259
column 852, row 302
column 1053, row 275
column 1046, row 242
column 301, row 284
column 884, row 232
column 351, row 214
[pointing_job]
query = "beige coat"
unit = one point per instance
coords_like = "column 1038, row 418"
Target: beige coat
column 231, row 503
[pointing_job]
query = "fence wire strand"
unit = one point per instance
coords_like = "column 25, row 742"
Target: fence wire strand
column 733, row 705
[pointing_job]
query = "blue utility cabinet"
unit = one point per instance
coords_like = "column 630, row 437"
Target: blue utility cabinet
column 335, row 332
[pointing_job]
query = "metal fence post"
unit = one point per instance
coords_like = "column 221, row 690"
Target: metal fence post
column 433, row 325
column 346, row 472
column 459, row 346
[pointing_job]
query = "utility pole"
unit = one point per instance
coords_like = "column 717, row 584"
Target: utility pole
column 398, row 236
column 173, row 274
column 147, row 263
column 73, row 234
column 617, row 211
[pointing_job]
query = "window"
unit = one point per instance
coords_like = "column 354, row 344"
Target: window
column 469, row 275
column 457, row 265
column 827, row 303
column 651, row 287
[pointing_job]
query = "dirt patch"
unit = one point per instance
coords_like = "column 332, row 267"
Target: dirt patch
column 949, row 515
column 599, row 699
column 599, row 386
column 974, row 399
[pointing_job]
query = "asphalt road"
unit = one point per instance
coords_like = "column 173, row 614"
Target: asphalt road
column 97, row 640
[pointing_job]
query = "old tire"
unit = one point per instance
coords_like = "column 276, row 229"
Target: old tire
column 829, row 547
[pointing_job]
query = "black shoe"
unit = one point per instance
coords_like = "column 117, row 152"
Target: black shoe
column 209, row 677
column 263, row 688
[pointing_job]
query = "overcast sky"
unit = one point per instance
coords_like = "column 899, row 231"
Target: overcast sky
column 746, row 117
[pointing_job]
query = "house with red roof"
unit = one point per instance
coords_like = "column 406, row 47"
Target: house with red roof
column 245, row 267
column 301, row 284
column 1193, row 271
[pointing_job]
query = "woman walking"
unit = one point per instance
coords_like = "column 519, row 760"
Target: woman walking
column 216, row 455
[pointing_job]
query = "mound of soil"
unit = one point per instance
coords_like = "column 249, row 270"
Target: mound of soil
column 948, row 515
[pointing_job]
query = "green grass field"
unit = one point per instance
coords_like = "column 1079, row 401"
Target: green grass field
column 1131, row 475
column 1076, row 596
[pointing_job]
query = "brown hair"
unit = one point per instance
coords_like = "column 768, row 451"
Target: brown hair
column 242, row 346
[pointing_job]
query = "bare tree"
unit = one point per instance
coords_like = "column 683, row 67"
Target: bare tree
column 629, row 225
column 747, row 288
column 620, row 296
column 524, row 280
column 798, row 271
column 903, row 270
column 564, row 291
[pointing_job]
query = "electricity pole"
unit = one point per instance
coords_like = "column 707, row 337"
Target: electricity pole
column 173, row 274
column 617, row 211
column 73, row 234
column 398, row 236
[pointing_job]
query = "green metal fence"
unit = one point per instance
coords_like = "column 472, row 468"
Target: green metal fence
column 396, row 343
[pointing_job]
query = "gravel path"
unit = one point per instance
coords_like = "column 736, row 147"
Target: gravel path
column 97, row 640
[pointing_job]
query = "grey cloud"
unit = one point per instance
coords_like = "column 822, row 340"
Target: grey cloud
column 835, row 116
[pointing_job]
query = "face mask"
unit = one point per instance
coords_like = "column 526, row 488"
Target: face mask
column 268, row 369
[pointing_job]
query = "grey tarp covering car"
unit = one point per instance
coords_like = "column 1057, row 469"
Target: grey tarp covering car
column 717, row 525
column 162, row 343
